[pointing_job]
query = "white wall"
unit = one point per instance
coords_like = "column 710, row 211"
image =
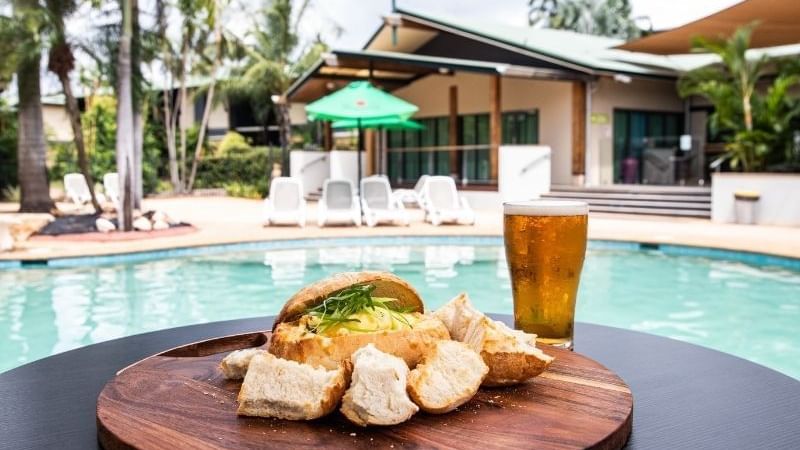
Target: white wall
column 553, row 100
column 779, row 203
column 56, row 123
column 640, row 94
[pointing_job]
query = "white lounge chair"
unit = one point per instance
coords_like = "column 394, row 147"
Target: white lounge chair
column 285, row 204
column 111, row 186
column 379, row 204
column 77, row 189
column 443, row 204
column 6, row 238
column 413, row 196
column 338, row 204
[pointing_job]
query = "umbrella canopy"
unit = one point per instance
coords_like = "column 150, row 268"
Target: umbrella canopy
column 360, row 100
column 777, row 25
column 385, row 123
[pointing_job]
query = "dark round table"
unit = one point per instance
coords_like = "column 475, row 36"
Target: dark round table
column 685, row 396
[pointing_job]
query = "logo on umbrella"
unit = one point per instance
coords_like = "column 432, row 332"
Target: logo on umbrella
column 361, row 103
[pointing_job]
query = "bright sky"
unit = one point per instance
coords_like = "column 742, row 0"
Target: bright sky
column 358, row 19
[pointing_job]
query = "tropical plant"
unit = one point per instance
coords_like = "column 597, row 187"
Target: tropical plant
column 757, row 122
column 611, row 18
column 21, row 35
column 61, row 62
column 273, row 59
column 8, row 150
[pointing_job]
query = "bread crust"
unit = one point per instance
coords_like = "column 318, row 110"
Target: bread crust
column 292, row 341
column 386, row 285
column 417, row 377
column 509, row 368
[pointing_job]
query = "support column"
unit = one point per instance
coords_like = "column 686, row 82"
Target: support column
column 369, row 149
column 578, row 129
column 452, row 134
column 327, row 138
column 495, row 133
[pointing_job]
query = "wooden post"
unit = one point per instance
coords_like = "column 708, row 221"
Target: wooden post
column 452, row 133
column 578, row 128
column 327, row 139
column 494, row 126
column 369, row 147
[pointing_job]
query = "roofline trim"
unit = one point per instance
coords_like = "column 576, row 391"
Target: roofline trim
column 302, row 78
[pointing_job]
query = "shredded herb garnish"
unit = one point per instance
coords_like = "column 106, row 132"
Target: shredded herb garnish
column 338, row 308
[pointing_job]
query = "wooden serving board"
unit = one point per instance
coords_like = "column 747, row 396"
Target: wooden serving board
column 179, row 399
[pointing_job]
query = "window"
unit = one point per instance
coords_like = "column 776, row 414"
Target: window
column 521, row 127
column 638, row 131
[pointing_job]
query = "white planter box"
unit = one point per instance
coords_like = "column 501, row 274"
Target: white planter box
column 524, row 171
column 779, row 203
column 344, row 165
column 312, row 168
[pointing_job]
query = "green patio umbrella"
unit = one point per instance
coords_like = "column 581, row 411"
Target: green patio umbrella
column 382, row 123
column 360, row 101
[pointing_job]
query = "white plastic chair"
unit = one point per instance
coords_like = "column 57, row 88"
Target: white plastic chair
column 443, row 204
column 379, row 204
column 413, row 196
column 285, row 204
column 111, row 186
column 77, row 189
column 338, row 204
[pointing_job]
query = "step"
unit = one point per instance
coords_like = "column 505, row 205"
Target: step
column 625, row 196
column 635, row 189
column 651, row 211
column 650, row 204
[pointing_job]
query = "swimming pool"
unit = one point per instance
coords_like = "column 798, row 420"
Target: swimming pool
column 744, row 304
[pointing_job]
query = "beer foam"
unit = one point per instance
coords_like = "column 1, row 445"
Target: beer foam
column 546, row 208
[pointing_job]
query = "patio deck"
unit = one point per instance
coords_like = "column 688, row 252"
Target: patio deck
column 229, row 220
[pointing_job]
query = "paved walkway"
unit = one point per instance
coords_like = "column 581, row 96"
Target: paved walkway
column 228, row 220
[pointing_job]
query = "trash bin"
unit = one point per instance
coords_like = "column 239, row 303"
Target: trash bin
column 745, row 206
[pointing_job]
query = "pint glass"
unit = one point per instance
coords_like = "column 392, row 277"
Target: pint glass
column 545, row 246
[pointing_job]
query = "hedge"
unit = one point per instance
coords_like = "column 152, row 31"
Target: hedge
column 243, row 173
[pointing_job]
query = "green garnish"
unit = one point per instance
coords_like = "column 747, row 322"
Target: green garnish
column 338, row 308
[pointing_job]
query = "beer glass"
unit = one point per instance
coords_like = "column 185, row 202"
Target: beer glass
column 545, row 246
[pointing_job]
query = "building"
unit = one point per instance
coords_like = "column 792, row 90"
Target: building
column 610, row 116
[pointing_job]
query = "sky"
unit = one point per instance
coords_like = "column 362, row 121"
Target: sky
column 358, row 19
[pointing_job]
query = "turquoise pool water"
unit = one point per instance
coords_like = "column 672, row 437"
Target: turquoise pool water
column 747, row 310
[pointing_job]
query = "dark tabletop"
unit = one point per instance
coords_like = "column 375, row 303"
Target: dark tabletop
column 685, row 396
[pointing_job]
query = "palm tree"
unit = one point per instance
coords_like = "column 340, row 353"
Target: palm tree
column 611, row 18
column 31, row 149
column 61, row 62
column 125, row 118
column 272, row 62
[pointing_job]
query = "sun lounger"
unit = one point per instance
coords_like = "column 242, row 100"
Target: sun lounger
column 285, row 204
column 111, row 186
column 379, row 204
column 443, row 204
column 338, row 204
column 413, row 196
column 77, row 190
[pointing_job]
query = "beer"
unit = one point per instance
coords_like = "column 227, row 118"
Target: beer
column 545, row 246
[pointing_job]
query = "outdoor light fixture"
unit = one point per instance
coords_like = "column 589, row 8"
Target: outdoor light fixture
column 620, row 78
column 444, row 70
column 330, row 59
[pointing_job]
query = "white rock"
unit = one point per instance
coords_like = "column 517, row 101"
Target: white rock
column 142, row 224
column 160, row 216
column 160, row 225
column 104, row 225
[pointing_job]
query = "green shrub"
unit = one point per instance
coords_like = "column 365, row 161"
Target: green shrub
column 244, row 190
column 235, row 171
column 233, row 143
column 8, row 150
column 99, row 129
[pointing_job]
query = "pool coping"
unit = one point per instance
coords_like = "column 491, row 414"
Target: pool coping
column 742, row 256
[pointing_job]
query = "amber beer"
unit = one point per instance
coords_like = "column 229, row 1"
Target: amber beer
column 545, row 247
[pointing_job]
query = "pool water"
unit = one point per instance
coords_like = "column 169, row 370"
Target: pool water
column 746, row 310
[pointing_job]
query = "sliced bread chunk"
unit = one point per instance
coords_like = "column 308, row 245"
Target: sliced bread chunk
column 511, row 355
column 377, row 393
column 275, row 387
column 447, row 377
column 234, row 366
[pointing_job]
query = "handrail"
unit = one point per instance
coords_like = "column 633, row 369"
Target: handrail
column 311, row 163
column 716, row 165
column 536, row 161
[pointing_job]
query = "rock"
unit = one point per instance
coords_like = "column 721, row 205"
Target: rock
column 160, row 225
column 104, row 225
column 160, row 216
column 142, row 224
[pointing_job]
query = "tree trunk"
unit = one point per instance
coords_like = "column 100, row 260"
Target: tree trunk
column 77, row 131
column 285, row 126
column 138, row 121
column 125, row 126
column 201, row 136
column 31, row 147
column 138, row 149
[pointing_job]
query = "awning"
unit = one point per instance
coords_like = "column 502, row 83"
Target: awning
column 778, row 24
